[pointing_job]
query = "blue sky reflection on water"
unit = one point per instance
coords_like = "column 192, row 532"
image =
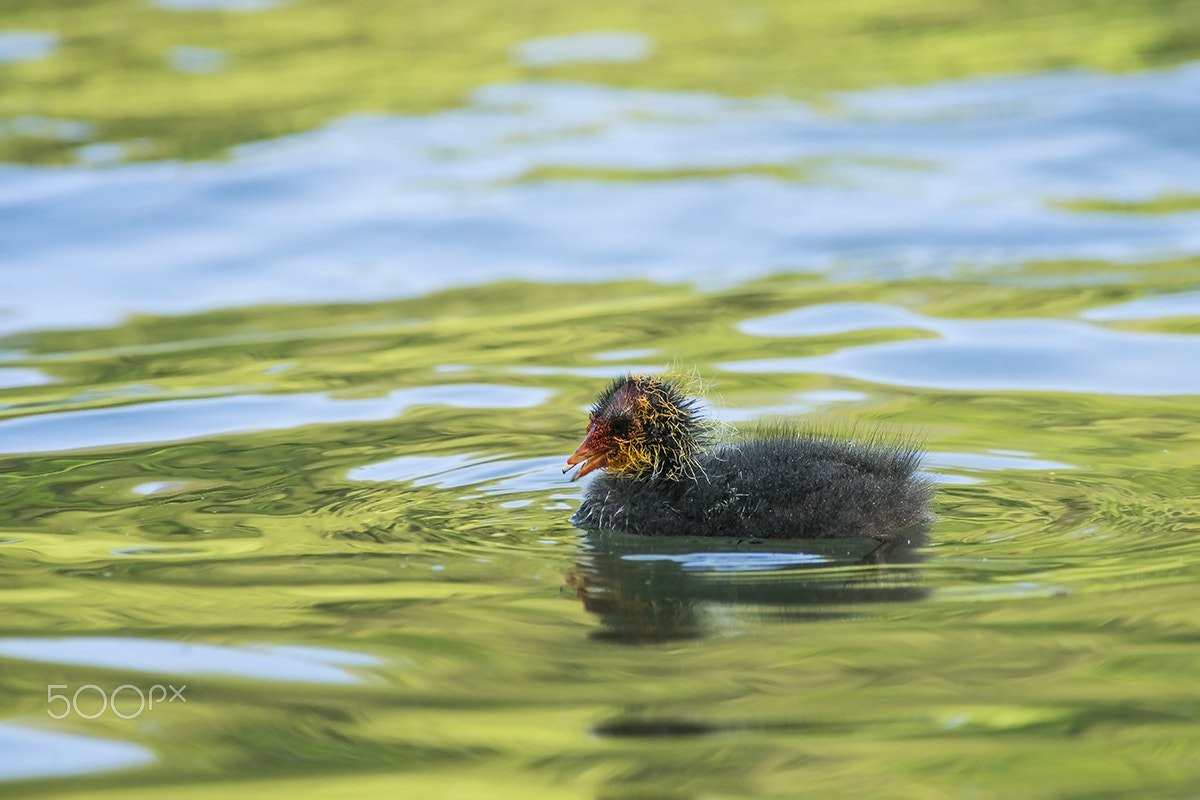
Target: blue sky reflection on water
column 261, row 662
column 17, row 46
column 28, row 752
column 212, row 416
column 1003, row 354
column 888, row 183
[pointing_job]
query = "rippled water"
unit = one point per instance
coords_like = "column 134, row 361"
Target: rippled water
column 286, row 431
column 554, row 182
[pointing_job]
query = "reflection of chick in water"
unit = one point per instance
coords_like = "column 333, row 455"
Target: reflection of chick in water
column 631, row 613
column 662, row 480
column 648, row 590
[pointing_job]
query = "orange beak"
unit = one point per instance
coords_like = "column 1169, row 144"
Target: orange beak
column 592, row 455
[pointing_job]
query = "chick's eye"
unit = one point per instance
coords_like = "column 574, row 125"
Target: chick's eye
column 619, row 426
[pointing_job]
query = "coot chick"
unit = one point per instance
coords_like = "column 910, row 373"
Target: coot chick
column 663, row 477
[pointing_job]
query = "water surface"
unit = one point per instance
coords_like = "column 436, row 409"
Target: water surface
column 286, row 429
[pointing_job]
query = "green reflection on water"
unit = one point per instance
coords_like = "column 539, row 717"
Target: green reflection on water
column 1041, row 643
column 802, row 171
column 299, row 64
column 1167, row 204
